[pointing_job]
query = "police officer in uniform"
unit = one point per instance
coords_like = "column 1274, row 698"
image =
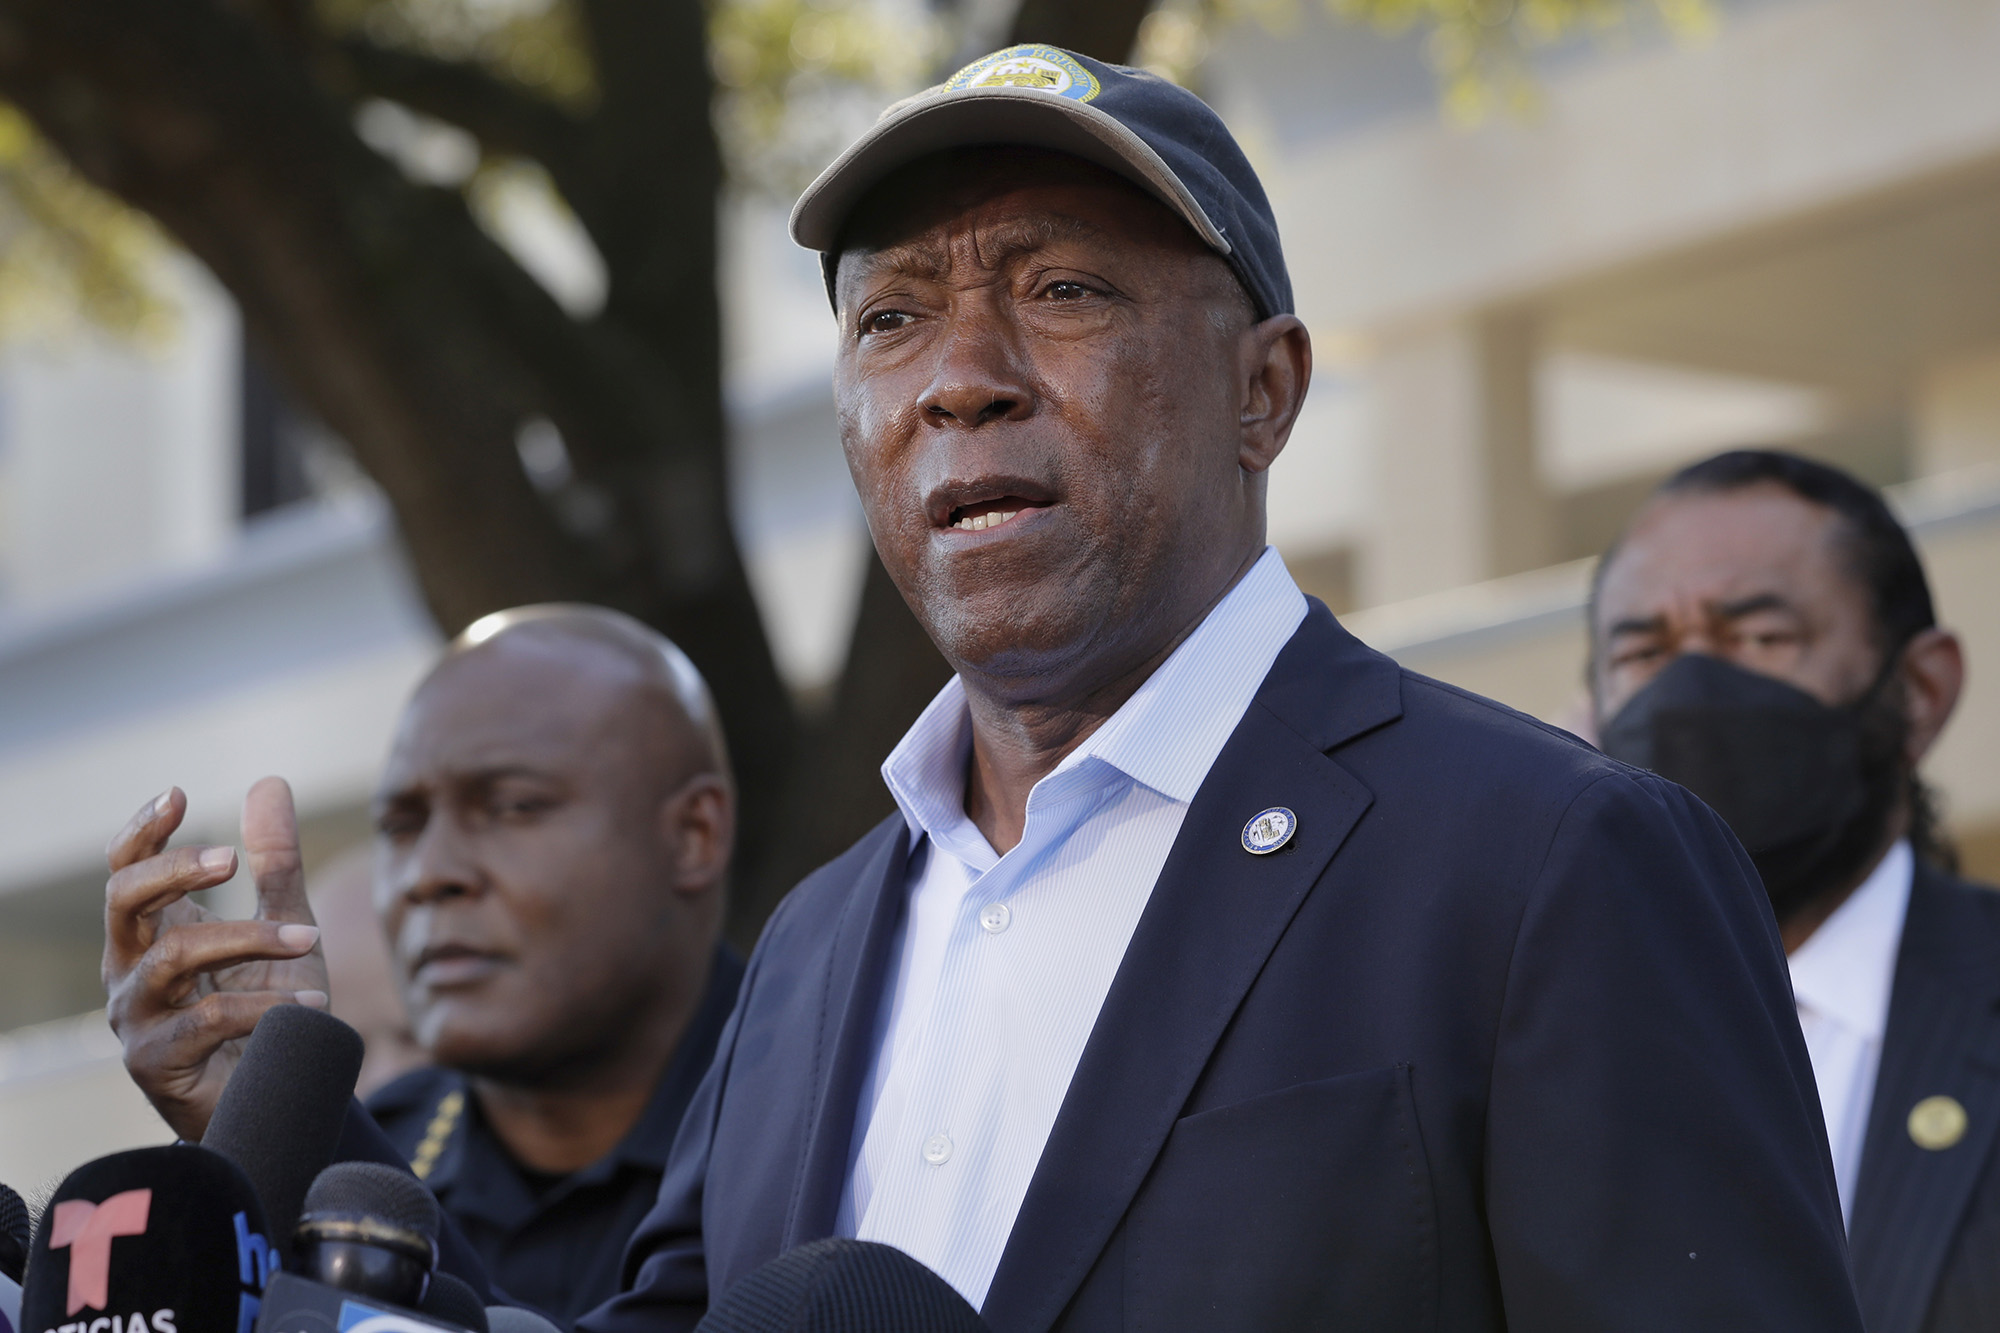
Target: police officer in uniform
column 552, row 834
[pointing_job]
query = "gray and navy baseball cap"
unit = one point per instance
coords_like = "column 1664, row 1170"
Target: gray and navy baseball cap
column 1162, row 138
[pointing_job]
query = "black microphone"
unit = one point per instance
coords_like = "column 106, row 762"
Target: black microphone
column 13, row 1235
column 842, row 1286
column 452, row 1301
column 155, row 1240
column 367, row 1252
column 280, row 1114
column 295, row 1304
column 372, row 1230
column 14, row 1240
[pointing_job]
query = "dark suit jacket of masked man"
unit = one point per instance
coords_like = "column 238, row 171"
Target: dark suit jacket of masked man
column 1502, row 1039
column 1926, row 1223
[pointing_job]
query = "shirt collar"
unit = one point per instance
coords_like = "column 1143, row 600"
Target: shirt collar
column 1166, row 735
column 1845, row 970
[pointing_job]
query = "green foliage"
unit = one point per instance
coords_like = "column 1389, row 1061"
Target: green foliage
column 790, row 74
column 794, row 78
column 791, row 77
column 69, row 253
column 538, row 44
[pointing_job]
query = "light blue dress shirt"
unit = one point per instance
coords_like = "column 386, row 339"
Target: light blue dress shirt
column 1004, row 961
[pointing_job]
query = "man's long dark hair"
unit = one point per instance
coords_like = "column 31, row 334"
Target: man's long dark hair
column 1879, row 555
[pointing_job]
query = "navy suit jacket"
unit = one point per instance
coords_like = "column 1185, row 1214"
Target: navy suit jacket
column 1926, row 1224
column 1503, row 1038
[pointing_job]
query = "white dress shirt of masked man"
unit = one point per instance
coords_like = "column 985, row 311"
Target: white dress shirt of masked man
column 1764, row 634
column 552, row 832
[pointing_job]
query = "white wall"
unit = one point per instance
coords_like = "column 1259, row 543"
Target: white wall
column 115, row 458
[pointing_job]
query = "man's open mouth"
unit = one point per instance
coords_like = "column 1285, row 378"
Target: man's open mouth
column 991, row 513
column 983, row 504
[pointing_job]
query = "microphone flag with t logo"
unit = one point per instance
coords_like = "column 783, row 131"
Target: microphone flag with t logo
column 156, row 1240
column 86, row 1230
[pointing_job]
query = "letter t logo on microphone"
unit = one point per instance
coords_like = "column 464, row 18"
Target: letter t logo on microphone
column 86, row 1230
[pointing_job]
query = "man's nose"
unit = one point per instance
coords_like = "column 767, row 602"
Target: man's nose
column 978, row 377
column 440, row 867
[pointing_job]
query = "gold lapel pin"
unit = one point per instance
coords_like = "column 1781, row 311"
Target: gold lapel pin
column 1936, row 1123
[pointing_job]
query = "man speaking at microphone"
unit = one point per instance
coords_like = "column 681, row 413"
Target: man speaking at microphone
column 552, row 834
column 1215, row 973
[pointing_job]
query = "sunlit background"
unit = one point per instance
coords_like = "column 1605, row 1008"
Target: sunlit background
column 1541, row 268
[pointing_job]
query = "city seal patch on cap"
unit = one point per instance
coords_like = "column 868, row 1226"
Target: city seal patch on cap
column 1041, row 69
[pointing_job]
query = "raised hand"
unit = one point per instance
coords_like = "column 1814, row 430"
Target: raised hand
column 185, row 986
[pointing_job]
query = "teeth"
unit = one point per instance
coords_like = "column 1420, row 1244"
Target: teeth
column 981, row 522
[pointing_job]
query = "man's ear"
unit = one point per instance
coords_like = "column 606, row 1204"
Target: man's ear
column 1933, row 672
column 1276, row 368
column 698, row 824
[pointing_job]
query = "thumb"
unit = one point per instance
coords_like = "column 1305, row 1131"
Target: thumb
column 271, row 848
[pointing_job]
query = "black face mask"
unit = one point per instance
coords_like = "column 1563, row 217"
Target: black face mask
column 1809, row 790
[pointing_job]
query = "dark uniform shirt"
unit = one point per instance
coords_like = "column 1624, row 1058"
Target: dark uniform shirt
column 552, row 1242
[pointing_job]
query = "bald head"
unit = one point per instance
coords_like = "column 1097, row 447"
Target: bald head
column 554, row 828
column 662, row 673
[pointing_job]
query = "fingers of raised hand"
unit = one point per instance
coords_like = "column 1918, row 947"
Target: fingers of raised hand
column 167, row 1054
column 147, row 831
column 137, row 892
column 194, row 1032
column 271, row 844
column 170, row 971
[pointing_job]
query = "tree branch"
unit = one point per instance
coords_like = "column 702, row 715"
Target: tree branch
column 503, row 118
column 657, row 169
column 412, row 334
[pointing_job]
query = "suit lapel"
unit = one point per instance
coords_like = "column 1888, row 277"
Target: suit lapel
column 857, row 968
column 1943, row 1038
column 1213, row 918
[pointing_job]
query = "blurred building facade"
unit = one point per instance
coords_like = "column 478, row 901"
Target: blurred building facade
column 1788, row 233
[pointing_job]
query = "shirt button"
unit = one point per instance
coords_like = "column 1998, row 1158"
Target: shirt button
column 995, row 917
column 937, row 1150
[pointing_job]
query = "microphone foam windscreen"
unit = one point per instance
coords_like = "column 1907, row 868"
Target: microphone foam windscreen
column 842, row 1286
column 155, row 1240
column 450, row 1301
column 13, row 1234
column 372, row 1189
column 280, row 1115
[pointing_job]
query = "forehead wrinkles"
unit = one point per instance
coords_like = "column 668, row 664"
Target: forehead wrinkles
column 984, row 246
column 1687, row 554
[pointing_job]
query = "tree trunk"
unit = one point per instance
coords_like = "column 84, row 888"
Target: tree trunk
column 394, row 317
column 422, row 343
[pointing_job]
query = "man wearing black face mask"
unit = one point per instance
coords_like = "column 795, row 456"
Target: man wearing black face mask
column 1764, row 635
